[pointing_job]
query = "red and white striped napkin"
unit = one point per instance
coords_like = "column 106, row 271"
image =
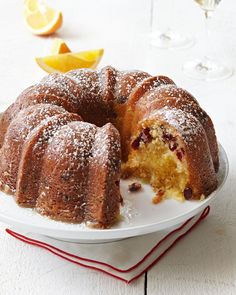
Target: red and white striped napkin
column 125, row 260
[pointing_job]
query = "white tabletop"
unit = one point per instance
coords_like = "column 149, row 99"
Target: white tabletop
column 204, row 262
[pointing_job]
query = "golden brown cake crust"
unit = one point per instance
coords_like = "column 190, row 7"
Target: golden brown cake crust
column 30, row 166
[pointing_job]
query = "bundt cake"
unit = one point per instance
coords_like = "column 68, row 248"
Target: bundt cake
column 66, row 141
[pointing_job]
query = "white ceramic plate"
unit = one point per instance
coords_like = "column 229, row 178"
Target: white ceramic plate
column 140, row 216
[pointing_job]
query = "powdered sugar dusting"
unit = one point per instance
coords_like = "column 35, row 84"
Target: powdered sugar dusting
column 88, row 82
column 106, row 150
column 78, row 135
column 184, row 122
column 50, row 125
column 62, row 84
column 128, row 211
column 126, row 81
column 165, row 91
column 29, row 118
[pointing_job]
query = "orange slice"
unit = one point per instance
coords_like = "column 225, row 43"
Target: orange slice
column 31, row 5
column 65, row 62
column 41, row 19
column 59, row 46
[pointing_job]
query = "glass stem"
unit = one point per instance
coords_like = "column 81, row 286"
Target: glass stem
column 170, row 17
column 207, row 15
column 166, row 30
column 151, row 15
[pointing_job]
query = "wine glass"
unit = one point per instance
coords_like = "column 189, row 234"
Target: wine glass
column 207, row 68
column 166, row 38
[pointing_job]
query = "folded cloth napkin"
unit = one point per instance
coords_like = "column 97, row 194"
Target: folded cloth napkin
column 126, row 259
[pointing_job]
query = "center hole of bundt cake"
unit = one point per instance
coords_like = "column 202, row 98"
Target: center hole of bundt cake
column 158, row 158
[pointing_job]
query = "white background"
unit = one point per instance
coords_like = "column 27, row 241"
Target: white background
column 205, row 261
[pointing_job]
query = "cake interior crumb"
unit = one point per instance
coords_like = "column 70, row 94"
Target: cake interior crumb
column 157, row 158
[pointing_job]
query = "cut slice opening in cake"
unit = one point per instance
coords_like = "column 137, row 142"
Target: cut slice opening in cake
column 157, row 157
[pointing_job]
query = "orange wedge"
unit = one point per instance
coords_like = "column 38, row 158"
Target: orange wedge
column 65, row 62
column 59, row 46
column 41, row 19
column 31, row 5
